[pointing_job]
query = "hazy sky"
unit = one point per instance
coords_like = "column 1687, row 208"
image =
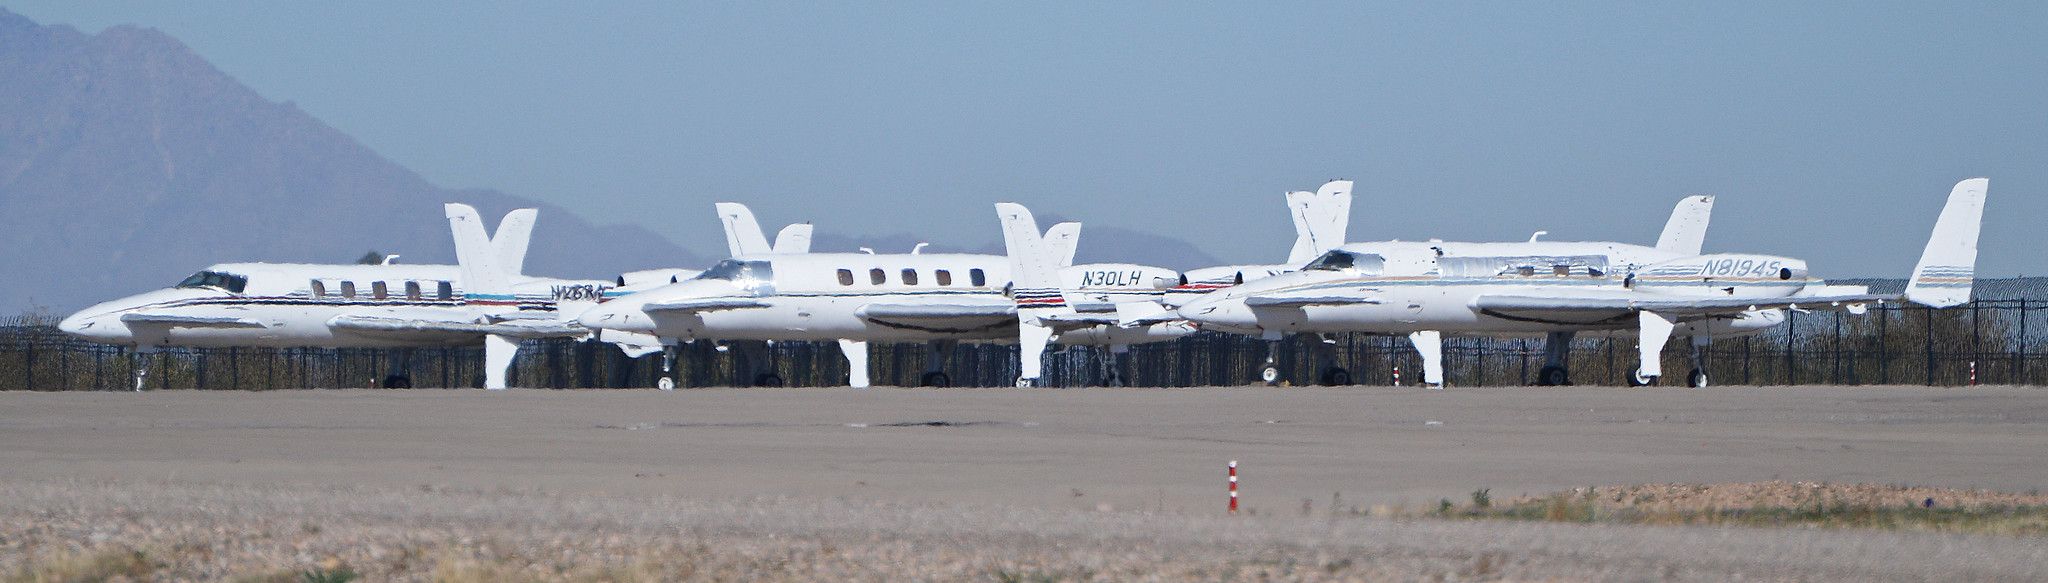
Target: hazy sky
column 1830, row 131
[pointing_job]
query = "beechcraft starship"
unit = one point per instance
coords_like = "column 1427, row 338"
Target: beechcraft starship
column 1427, row 289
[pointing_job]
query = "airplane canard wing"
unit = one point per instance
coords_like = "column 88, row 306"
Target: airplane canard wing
column 176, row 321
column 414, row 328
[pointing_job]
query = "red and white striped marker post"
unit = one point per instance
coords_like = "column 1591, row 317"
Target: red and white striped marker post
column 1973, row 373
column 1233, row 486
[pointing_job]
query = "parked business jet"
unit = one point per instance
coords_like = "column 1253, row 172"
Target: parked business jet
column 858, row 298
column 1320, row 221
column 350, row 306
column 1428, row 289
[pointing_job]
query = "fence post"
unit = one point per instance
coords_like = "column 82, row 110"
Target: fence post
column 2020, row 361
column 1929, row 338
column 1884, row 341
column 1791, row 340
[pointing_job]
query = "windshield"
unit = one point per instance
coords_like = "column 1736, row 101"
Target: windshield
column 742, row 272
column 1341, row 260
column 215, row 279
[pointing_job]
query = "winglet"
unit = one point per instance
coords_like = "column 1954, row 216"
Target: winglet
column 793, row 240
column 1066, row 239
column 1321, row 219
column 1949, row 264
column 742, row 233
column 510, row 241
column 1686, row 231
column 483, row 277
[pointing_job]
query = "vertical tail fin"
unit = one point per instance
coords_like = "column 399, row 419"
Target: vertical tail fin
column 1321, row 219
column 1686, row 231
column 483, row 277
column 1035, row 260
column 1948, row 265
column 793, row 240
column 742, row 233
column 510, row 241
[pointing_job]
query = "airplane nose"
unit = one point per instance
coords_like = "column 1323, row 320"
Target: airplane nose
column 74, row 325
column 611, row 318
column 1218, row 311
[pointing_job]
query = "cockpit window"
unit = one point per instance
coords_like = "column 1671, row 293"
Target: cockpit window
column 215, row 279
column 1341, row 260
column 740, row 271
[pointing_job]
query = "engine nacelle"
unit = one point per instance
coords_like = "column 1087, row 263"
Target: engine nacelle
column 652, row 278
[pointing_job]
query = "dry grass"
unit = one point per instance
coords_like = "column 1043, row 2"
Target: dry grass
column 97, row 531
column 1777, row 504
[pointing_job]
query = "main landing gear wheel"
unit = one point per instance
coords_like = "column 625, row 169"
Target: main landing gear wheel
column 768, row 379
column 666, row 384
column 1024, row 383
column 1336, row 377
column 935, row 379
column 1636, row 378
column 1553, row 376
column 1697, row 380
column 1270, row 375
column 397, row 382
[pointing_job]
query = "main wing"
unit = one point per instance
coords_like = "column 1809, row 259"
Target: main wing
column 1622, row 308
column 440, row 330
column 953, row 317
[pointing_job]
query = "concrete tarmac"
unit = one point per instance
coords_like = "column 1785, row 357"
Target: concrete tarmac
column 1149, row 449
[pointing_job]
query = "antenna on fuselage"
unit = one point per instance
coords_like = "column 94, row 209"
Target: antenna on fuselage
column 919, row 248
column 391, row 259
column 868, row 250
column 1537, row 235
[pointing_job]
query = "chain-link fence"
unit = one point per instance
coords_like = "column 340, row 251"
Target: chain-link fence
column 1987, row 341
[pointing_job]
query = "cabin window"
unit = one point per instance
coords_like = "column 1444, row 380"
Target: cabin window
column 845, row 277
column 348, row 289
column 319, row 289
column 445, row 290
column 1561, row 270
column 977, row 278
column 412, row 291
column 380, row 291
column 943, row 277
column 1526, row 271
column 909, row 277
column 877, row 276
column 1595, row 272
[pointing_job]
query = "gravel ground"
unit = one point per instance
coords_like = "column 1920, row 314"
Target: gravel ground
column 221, row 532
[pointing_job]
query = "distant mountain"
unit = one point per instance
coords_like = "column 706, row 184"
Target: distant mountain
column 128, row 162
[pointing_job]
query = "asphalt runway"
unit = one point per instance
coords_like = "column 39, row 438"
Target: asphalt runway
column 1088, row 449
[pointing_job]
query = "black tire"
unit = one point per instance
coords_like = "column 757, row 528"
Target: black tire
column 1696, row 379
column 1337, row 377
column 1270, row 375
column 1553, row 376
column 1635, row 378
column 768, row 379
column 935, row 379
column 397, row 382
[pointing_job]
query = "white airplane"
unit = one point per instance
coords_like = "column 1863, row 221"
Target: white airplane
column 857, row 298
column 1320, row 221
column 1428, row 289
column 349, row 306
